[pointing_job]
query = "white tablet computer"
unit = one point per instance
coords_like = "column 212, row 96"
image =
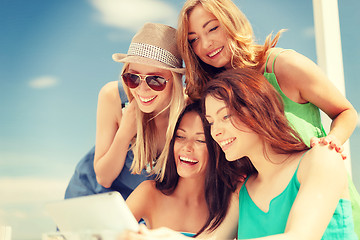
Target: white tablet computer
column 99, row 212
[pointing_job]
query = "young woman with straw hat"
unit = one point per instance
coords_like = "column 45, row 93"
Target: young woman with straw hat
column 131, row 142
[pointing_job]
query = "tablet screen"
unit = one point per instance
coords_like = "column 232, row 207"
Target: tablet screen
column 104, row 211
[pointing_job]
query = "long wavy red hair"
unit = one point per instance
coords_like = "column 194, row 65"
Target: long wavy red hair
column 252, row 100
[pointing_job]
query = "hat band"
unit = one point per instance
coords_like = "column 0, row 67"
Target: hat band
column 154, row 52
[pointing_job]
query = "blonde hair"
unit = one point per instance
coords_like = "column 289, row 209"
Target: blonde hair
column 245, row 53
column 144, row 145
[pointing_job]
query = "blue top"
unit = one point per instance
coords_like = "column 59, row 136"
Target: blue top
column 254, row 223
column 83, row 182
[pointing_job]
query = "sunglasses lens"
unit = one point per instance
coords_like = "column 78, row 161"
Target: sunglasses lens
column 156, row 83
column 131, row 80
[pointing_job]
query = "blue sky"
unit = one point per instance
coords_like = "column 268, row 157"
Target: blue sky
column 56, row 55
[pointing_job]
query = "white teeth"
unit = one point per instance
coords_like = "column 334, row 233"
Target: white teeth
column 226, row 142
column 186, row 159
column 146, row 99
column 215, row 52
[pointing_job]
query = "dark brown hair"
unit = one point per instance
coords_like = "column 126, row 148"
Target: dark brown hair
column 217, row 191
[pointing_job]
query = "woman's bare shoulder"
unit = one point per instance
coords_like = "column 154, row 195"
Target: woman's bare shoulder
column 145, row 191
column 110, row 89
column 321, row 153
column 322, row 160
column 147, row 186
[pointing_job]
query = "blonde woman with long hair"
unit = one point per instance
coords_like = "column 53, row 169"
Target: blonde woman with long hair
column 130, row 142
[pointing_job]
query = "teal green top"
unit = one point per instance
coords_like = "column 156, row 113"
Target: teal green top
column 188, row 234
column 255, row 223
column 304, row 118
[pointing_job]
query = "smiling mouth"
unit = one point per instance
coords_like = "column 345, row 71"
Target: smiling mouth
column 226, row 142
column 146, row 100
column 212, row 54
column 187, row 160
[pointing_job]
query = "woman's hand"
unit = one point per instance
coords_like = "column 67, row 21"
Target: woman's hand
column 330, row 140
column 128, row 120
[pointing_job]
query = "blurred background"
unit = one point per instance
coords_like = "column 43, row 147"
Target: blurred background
column 56, row 55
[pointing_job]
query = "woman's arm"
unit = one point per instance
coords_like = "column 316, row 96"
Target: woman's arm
column 303, row 81
column 228, row 228
column 114, row 131
column 323, row 180
column 141, row 201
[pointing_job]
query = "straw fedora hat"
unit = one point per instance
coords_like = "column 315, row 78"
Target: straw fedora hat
column 154, row 45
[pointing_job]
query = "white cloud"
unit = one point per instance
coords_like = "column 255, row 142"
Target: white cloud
column 43, row 82
column 309, row 32
column 132, row 14
column 358, row 123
